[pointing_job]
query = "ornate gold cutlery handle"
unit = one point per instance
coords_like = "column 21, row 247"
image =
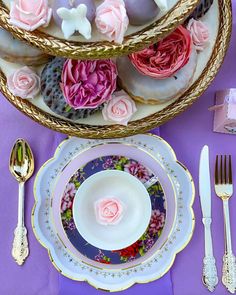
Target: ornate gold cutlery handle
column 210, row 277
column 229, row 261
column 229, row 272
column 20, row 249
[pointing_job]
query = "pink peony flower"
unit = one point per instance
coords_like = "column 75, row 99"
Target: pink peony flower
column 157, row 222
column 112, row 20
column 199, row 32
column 108, row 211
column 119, row 109
column 30, row 14
column 24, row 83
column 164, row 59
column 88, row 83
column 138, row 170
column 68, row 197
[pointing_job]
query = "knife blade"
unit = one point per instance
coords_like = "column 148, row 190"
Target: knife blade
column 205, row 183
column 209, row 274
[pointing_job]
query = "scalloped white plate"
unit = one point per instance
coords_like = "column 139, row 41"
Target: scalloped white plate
column 107, row 279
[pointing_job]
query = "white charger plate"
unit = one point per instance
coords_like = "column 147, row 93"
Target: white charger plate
column 119, row 279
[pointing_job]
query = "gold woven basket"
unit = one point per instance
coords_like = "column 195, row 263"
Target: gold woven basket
column 147, row 123
column 97, row 50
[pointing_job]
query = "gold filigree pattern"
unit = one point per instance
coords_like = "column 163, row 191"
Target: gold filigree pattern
column 20, row 249
column 94, row 50
column 149, row 122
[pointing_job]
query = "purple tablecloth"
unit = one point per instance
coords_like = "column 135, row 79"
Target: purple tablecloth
column 187, row 134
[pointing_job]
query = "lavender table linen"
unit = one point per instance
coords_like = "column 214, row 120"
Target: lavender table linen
column 37, row 276
column 187, row 134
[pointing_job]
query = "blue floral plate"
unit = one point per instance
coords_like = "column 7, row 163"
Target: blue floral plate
column 149, row 238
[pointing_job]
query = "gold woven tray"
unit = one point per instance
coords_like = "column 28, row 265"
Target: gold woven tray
column 149, row 122
column 95, row 50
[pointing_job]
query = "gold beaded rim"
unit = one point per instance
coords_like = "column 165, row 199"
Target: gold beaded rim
column 96, row 50
column 149, row 122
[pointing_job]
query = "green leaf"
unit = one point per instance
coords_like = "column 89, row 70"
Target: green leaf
column 68, row 214
column 141, row 251
column 118, row 167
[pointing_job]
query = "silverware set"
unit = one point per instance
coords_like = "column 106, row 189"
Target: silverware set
column 224, row 190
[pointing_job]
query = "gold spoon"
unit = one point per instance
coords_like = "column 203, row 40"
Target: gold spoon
column 21, row 167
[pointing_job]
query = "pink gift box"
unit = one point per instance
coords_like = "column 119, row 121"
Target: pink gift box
column 225, row 111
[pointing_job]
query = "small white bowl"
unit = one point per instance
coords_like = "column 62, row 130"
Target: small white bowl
column 136, row 216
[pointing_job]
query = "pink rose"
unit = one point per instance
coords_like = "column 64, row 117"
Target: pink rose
column 24, row 83
column 108, row 211
column 88, row 83
column 199, row 32
column 30, row 14
column 119, row 109
column 112, row 20
column 164, row 59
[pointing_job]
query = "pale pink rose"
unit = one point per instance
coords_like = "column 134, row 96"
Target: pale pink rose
column 112, row 20
column 119, row 109
column 108, row 211
column 30, row 14
column 199, row 32
column 24, row 83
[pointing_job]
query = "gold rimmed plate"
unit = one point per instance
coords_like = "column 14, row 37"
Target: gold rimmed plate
column 102, row 277
column 52, row 43
column 147, row 116
column 134, row 160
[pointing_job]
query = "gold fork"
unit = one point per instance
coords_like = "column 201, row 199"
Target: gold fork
column 224, row 190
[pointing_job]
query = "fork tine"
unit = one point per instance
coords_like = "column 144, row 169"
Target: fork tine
column 216, row 171
column 225, row 180
column 230, row 170
column 221, row 169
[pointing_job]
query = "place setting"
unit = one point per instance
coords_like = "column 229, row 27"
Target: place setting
column 117, row 202
column 124, row 223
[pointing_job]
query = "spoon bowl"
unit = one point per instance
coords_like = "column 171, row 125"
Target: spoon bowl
column 21, row 161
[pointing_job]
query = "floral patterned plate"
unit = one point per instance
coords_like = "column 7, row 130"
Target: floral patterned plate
column 142, row 157
column 140, row 247
column 153, row 267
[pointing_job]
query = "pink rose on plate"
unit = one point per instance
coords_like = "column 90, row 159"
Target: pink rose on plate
column 68, row 197
column 108, row 211
column 112, row 20
column 164, row 59
column 157, row 222
column 199, row 32
column 137, row 170
column 88, row 83
column 30, row 14
column 24, row 83
column 119, row 109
